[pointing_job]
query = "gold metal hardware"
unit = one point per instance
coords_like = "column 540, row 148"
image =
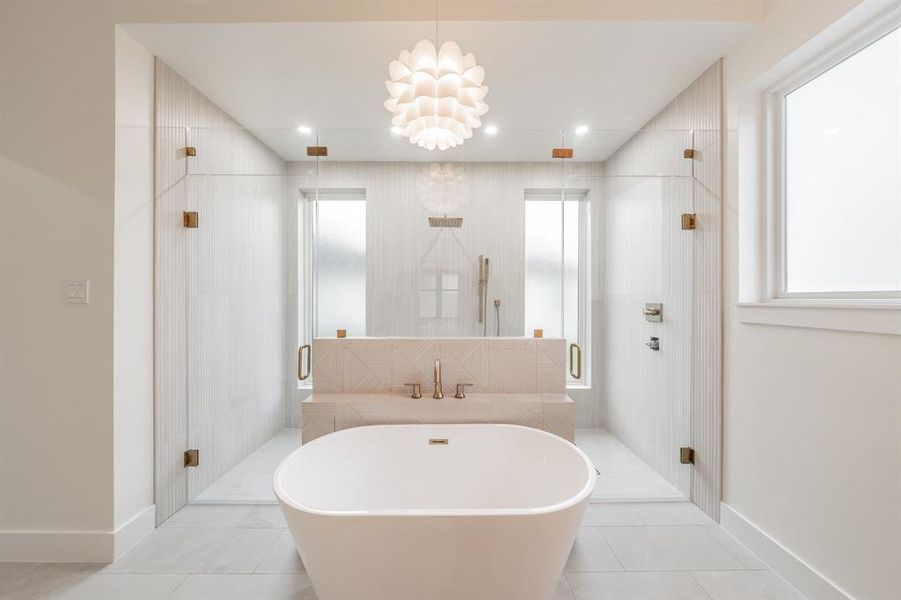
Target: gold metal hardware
column 190, row 219
column 417, row 390
column 301, row 375
column 689, row 153
column 539, row 333
column 687, row 456
column 575, row 363
column 342, row 333
column 317, row 150
column 562, row 153
column 190, row 151
column 192, row 457
column 439, row 393
column 438, row 441
column 461, row 390
column 689, row 221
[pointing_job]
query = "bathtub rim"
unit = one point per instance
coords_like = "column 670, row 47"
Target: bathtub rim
column 575, row 500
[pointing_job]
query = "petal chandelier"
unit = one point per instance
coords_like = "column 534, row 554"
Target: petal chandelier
column 437, row 97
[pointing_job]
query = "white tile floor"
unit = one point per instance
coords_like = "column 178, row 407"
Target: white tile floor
column 250, row 481
column 624, row 551
column 623, row 476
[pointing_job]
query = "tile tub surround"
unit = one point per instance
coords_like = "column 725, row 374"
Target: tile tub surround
column 491, row 365
column 326, row 413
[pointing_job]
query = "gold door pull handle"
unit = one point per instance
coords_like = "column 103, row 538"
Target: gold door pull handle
column 575, row 365
column 301, row 372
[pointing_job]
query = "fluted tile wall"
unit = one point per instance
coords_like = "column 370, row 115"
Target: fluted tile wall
column 221, row 302
column 657, row 402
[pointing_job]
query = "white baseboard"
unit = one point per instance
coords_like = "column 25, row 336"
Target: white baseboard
column 807, row 580
column 76, row 546
column 133, row 531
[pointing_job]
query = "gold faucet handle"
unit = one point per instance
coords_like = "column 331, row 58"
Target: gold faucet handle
column 461, row 393
column 417, row 390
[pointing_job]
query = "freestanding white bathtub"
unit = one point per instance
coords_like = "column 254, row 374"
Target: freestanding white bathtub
column 435, row 512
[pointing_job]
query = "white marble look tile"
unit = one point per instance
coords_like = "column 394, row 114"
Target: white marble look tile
column 619, row 462
column 678, row 548
column 198, row 551
column 611, row 514
column 282, row 557
column 747, row 558
column 264, row 516
column 28, row 581
column 563, row 591
column 746, row 585
column 635, row 586
column 212, row 516
column 239, row 487
column 116, row 586
column 673, row 513
column 591, row 552
column 634, row 485
column 245, row 587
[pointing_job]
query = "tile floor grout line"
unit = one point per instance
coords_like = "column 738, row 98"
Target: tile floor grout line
column 180, row 583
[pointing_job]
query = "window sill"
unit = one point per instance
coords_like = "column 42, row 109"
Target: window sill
column 883, row 317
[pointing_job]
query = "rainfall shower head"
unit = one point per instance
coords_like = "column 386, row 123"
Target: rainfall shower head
column 445, row 221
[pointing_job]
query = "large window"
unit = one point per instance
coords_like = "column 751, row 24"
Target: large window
column 556, row 270
column 840, row 191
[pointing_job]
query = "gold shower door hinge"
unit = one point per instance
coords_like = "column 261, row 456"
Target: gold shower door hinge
column 192, row 457
column 190, row 151
column 689, row 153
column 687, row 456
column 689, row 221
column 190, row 219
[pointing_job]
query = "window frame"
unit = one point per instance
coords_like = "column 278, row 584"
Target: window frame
column 776, row 199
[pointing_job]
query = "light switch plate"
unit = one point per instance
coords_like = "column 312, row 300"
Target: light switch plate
column 76, row 292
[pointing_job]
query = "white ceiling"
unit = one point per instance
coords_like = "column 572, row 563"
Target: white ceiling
column 544, row 77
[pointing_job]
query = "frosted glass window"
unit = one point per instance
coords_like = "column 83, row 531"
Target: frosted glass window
column 555, row 261
column 543, row 267
column 842, row 204
column 341, row 267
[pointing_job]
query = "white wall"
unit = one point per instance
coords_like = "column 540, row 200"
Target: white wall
column 657, row 402
column 812, row 417
column 220, row 291
column 133, row 291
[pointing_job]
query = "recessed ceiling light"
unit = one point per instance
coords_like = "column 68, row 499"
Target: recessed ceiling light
column 305, row 130
column 582, row 129
column 491, row 129
column 397, row 130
